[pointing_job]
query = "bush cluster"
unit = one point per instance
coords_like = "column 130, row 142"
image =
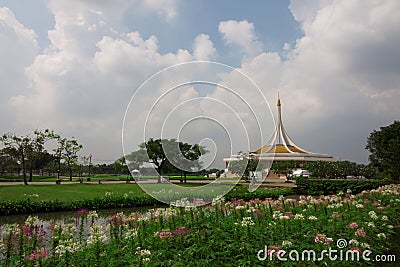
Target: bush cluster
column 333, row 186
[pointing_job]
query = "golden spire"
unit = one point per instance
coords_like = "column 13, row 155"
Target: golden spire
column 279, row 100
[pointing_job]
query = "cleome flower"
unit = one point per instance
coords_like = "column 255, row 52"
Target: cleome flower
column 246, row 221
column 286, row 243
column 373, row 215
column 323, row 239
column 360, row 232
column 353, row 225
column 97, row 234
column 299, row 216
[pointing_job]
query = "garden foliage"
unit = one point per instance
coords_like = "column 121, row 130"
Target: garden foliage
column 224, row 233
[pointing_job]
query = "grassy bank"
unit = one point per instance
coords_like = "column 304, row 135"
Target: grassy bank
column 20, row 199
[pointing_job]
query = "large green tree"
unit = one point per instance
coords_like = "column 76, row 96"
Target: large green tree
column 68, row 151
column 165, row 152
column 384, row 146
column 26, row 148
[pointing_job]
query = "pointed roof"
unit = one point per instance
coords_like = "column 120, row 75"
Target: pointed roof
column 281, row 147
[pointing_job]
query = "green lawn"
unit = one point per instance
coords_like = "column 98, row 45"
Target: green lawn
column 66, row 192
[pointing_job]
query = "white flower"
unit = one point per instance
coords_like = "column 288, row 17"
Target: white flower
column 97, row 234
column 93, row 214
column 218, row 200
column 313, row 218
column 385, row 218
column 31, row 220
column 359, row 206
column 284, row 217
column 286, row 243
column 348, row 191
column 390, row 226
column 130, row 234
column 142, row 252
column 365, row 245
column 250, row 209
column 247, row 221
column 373, row 215
column 299, row 216
column 371, row 224
column 353, row 242
column 381, row 235
column 108, row 194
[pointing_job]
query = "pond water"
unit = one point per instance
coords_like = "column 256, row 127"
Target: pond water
column 68, row 216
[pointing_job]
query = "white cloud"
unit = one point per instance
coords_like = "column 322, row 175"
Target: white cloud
column 164, row 8
column 203, row 48
column 82, row 83
column 18, row 48
column 241, row 33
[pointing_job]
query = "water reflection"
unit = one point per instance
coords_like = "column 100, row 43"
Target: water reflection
column 67, row 216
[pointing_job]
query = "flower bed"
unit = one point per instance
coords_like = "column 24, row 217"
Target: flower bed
column 225, row 233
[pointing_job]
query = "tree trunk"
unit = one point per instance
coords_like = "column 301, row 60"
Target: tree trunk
column 24, row 171
column 70, row 172
column 184, row 175
column 30, row 172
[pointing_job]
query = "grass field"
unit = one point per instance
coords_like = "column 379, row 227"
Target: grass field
column 66, row 192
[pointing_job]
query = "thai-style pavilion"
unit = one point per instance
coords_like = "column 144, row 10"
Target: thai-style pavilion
column 281, row 147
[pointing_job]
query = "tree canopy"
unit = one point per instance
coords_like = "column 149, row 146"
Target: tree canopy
column 163, row 153
column 384, row 146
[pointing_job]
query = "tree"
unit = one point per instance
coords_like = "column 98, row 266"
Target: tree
column 187, row 158
column 18, row 147
column 384, row 146
column 182, row 156
column 243, row 166
column 7, row 161
column 68, row 152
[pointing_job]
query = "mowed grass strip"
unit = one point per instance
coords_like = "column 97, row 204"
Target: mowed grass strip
column 67, row 192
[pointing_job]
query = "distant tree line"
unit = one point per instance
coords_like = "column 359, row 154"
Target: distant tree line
column 30, row 153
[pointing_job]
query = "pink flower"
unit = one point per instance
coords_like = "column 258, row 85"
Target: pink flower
column 165, row 233
column 288, row 213
column 274, row 250
column 381, row 207
column 181, row 230
column 39, row 253
column 360, row 232
column 353, row 225
column 366, row 201
column 257, row 213
column 335, row 214
column 323, row 239
column 357, row 249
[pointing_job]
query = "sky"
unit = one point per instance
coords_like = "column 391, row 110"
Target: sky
column 81, row 67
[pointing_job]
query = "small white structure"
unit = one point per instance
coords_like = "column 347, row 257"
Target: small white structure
column 135, row 173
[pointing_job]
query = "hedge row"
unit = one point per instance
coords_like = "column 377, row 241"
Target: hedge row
column 27, row 206
column 329, row 186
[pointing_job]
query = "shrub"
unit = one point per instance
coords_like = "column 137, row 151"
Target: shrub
column 333, row 186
